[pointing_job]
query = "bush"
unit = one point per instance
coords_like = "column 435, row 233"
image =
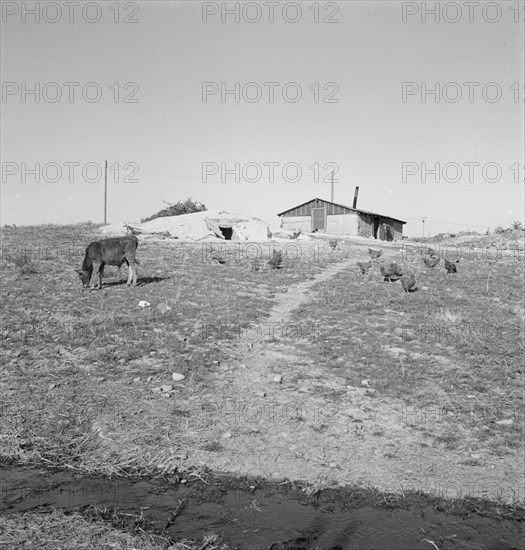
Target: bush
column 516, row 225
column 177, row 209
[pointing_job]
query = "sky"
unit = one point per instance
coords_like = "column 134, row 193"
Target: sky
column 176, row 95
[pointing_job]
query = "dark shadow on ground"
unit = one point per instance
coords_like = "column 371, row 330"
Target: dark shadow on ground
column 148, row 280
column 140, row 281
column 287, row 518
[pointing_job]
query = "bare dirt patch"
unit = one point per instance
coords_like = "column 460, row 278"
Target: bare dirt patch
column 370, row 397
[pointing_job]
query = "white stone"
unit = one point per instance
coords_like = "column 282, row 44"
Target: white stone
column 506, row 422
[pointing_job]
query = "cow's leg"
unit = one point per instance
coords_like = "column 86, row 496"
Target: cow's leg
column 96, row 277
column 94, row 271
column 129, row 272
column 100, row 273
column 132, row 272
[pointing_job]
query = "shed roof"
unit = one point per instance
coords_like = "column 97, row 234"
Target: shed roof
column 359, row 211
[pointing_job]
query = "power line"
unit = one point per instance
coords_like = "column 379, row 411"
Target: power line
column 432, row 220
column 66, row 182
column 48, row 211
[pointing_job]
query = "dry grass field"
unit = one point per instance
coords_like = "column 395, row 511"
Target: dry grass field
column 312, row 372
column 58, row 530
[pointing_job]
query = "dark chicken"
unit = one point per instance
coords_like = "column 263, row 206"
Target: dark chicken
column 431, row 262
column 451, row 267
column 391, row 272
column 364, row 266
column 409, row 282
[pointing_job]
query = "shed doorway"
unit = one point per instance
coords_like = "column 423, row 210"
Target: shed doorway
column 318, row 219
column 375, row 227
column 227, row 232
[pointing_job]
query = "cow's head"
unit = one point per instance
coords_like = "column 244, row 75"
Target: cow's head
column 85, row 276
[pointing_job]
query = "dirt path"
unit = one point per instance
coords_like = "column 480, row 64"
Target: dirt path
column 297, row 293
column 293, row 429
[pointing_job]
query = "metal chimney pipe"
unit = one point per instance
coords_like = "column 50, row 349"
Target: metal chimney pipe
column 355, row 197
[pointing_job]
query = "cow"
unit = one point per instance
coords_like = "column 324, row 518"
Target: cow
column 115, row 251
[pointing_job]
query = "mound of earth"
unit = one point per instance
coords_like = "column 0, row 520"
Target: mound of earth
column 199, row 226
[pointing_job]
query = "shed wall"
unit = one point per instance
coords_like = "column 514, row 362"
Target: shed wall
column 294, row 223
column 345, row 224
column 365, row 225
column 349, row 223
column 398, row 229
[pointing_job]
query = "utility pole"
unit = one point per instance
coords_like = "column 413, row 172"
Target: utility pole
column 423, row 220
column 106, row 193
column 332, row 186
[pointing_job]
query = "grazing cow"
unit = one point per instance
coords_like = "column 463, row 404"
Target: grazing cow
column 115, row 251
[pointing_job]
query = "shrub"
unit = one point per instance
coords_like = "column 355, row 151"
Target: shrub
column 177, row 209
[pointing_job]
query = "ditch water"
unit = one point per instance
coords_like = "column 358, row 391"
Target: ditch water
column 265, row 516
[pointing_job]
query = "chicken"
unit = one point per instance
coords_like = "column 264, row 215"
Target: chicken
column 409, row 282
column 277, row 259
column 451, row 267
column 375, row 254
column 391, row 272
column 218, row 258
column 431, row 262
column 364, row 266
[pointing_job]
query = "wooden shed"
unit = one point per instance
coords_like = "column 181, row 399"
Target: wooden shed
column 318, row 215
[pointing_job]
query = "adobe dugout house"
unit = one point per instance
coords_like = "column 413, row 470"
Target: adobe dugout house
column 318, row 215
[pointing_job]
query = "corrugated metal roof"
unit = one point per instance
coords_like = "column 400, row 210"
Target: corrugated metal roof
column 341, row 206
